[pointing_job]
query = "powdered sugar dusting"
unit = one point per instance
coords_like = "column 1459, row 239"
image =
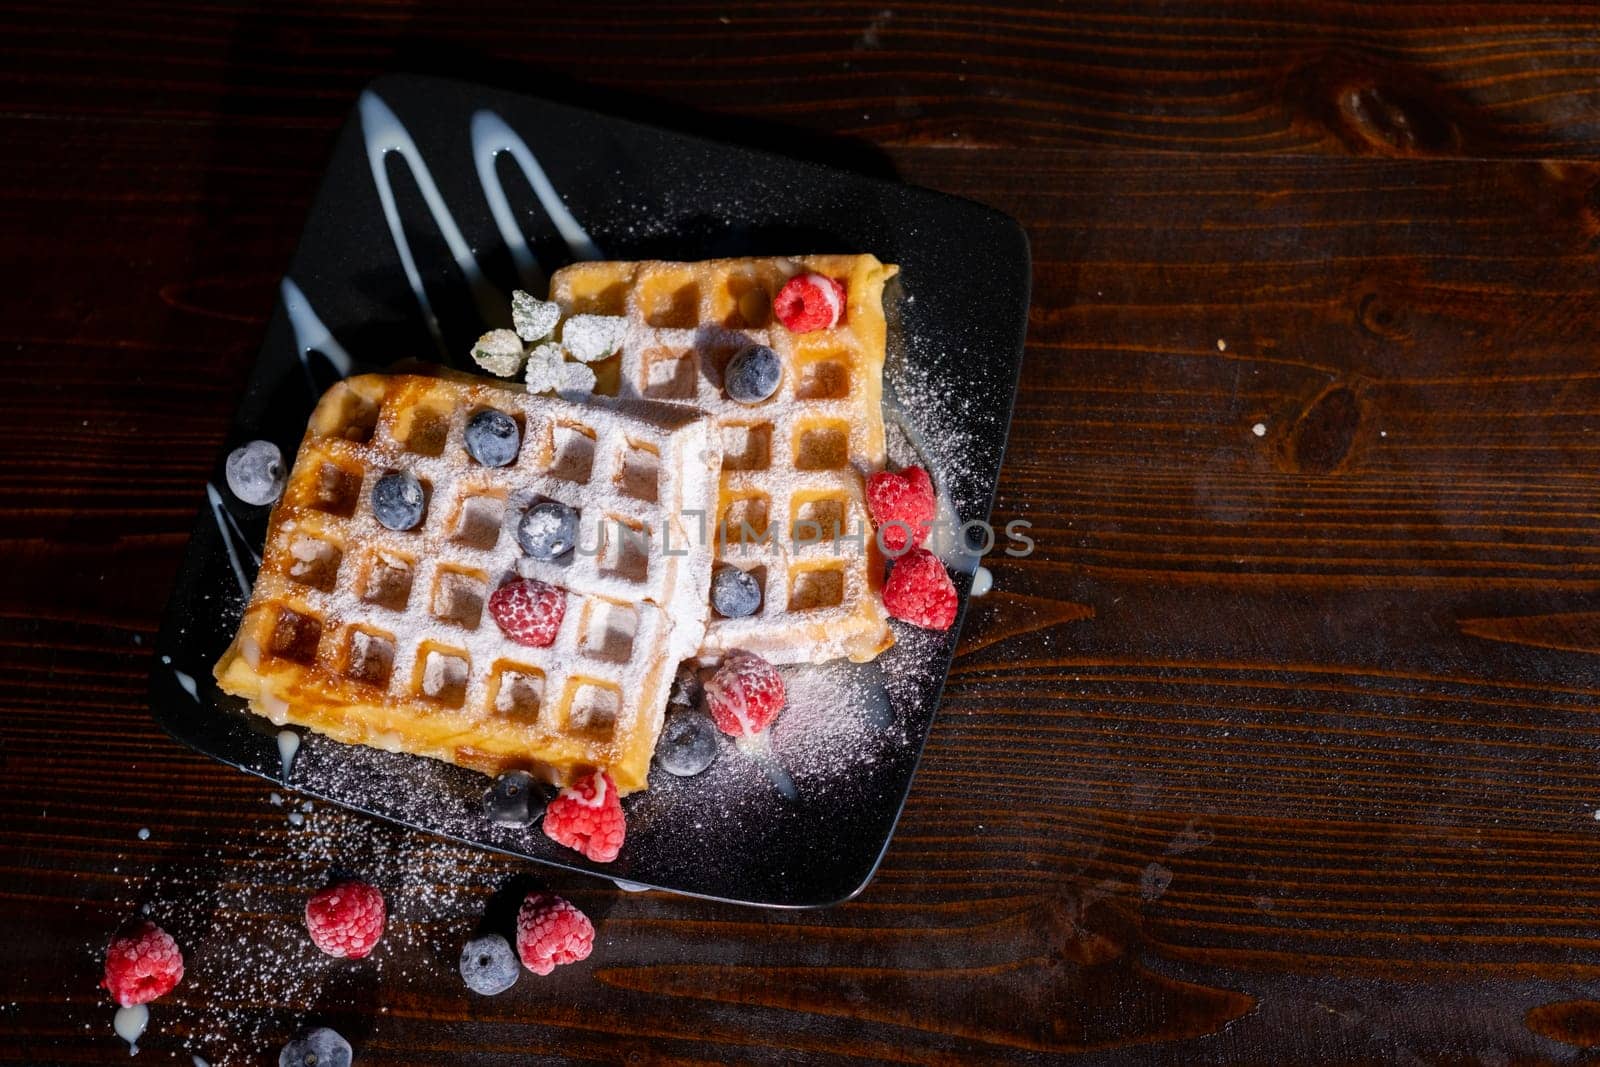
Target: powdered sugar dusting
column 841, row 718
column 838, row 714
column 926, row 423
column 236, row 906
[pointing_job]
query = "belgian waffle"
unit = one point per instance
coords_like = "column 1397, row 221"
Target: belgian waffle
column 792, row 465
column 382, row 638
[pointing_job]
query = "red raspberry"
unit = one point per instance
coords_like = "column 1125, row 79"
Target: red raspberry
column 143, row 963
column 550, row 932
column 906, row 497
column 587, row 816
column 745, row 694
column 346, row 919
column 528, row 611
column 809, row 302
column 919, row 591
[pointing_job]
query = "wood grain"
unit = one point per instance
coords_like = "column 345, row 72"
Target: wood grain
column 1335, row 78
column 1280, row 748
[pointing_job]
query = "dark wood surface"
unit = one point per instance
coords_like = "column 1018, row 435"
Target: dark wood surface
column 1281, row 748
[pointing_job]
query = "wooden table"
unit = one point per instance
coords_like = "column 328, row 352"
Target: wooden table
column 1281, row 748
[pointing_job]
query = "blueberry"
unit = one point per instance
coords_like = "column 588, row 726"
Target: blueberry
column 493, row 438
column 753, row 374
column 397, row 501
column 688, row 743
column 514, row 799
column 321, row 1047
column 255, row 472
column 735, row 593
column 488, row 965
column 548, row 530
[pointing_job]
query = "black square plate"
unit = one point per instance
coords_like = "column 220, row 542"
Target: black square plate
column 487, row 191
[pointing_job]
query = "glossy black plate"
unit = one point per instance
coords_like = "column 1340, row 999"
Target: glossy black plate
column 792, row 832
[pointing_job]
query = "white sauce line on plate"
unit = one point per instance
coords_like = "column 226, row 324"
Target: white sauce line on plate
column 385, row 133
column 492, row 136
column 224, row 520
column 310, row 335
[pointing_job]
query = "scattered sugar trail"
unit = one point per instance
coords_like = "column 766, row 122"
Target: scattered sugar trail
column 253, row 978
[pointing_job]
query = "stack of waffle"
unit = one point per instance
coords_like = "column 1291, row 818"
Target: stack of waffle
column 381, row 638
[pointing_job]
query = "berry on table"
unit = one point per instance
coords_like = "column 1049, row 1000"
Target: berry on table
column 255, row 472
column 753, row 374
column 919, row 591
column 346, row 919
column 550, row 932
column 322, row 1047
column 587, row 816
column 528, row 611
column 492, row 438
column 398, row 501
column 809, row 302
column 745, row 694
column 902, row 506
column 142, row 963
column 735, row 593
column 548, row 530
column 488, row 965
